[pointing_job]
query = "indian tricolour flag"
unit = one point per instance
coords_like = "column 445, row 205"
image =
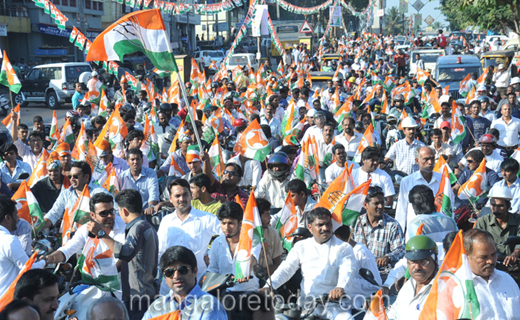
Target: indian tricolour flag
column 422, row 76
column 8, row 123
column 28, row 207
column 287, row 221
column 54, row 135
column 81, row 210
column 175, row 169
column 453, row 295
column 67, row 134
column 444, row 195
column 376, row 310
column 8, row 76
column 476, row 185
column 111, row 184
column 216, row 159
column 458, row 131
column 307, row 168
column 253, row 143
column 347, row 209
column 251, row 235
column 97, row 265
column 465, row 86
column 439, row 168
column 142, row 31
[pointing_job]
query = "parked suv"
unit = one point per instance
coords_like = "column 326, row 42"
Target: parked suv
column 52, row 83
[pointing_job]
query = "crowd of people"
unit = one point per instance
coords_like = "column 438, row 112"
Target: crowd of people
column 359, row 126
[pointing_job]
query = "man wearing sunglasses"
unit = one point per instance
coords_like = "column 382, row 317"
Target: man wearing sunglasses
column 80, row 176
column 421, row 255
column 102, row 212
column 186, row 226
column 178, row 265
column 227, row 189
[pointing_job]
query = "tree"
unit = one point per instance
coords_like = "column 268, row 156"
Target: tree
column 436, row 25
column 394, row 21
column 487, row 14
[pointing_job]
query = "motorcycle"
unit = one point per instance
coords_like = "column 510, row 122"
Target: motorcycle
column 4, row 106
column 75, row 301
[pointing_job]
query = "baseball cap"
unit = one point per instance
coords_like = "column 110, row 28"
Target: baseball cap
column 445, row 124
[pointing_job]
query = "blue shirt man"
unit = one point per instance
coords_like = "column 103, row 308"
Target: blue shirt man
column 78, row 96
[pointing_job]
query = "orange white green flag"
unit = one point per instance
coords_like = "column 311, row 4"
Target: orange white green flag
column 376, row 310
column 445, row 195
column 97, row 265
column 453, row 294
column 40, row 171
column 54, row 134
column 251, row 236
column 439, row 168
column 348, row 208
column 111, row 184
column 287, row 221
column 339, row 187
column 143, row 31
column 458, row 130
column 422, row 76
column 8, row 296
column 465, row 86
column 307, row 168
column 216, row 159
column 67, row 134
column 368, row 140
column 28, row 207
column 8, row 76
column 8, row 123
column 80, row 149
column 253, row 143
column 81, row 210
column 175, row 169
column 476, row 185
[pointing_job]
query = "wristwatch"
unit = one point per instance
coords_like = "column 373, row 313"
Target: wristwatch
column 101, row 233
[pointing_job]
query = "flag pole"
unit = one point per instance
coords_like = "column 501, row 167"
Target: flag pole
column 268, row 272
column 190, row 112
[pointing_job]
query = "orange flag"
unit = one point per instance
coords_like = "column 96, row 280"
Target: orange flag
column 175, row 315
column 340, row 187
column 9, row 294
column 420, row 230
column 476, row 184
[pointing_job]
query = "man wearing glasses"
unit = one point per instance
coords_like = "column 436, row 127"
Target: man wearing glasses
column 421, row 255
column 80, row 176
column 179, row 267
column 102, row 212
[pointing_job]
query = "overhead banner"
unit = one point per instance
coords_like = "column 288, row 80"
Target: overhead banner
column 403, row 6
column 335, row 16
column 259, row 26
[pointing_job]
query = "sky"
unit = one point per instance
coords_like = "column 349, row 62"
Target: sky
column 430, row 8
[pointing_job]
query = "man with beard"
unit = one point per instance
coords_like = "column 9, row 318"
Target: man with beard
column 272, row 185
column 48, row 189
column 222, row 260
column 80, row 176
column 349, row 139
column 317, row 129
column 335, row 169
column 102, row 211
column 39, row 288
column 498, row 295
column 422, row 258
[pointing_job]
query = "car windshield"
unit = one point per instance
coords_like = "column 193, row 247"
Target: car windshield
column 216, row 54
column 455, row 74
column 319, row 84
column 427, row 57
column 73, row 72
column 493, row 61
column 238, row 60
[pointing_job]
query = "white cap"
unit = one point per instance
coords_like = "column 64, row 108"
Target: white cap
column 515, row 80
column 482, row 88
column 311, row 113
column 94, row 74
column 409, row 122
column 335, row 79
column 501, row 66
column 500, row 192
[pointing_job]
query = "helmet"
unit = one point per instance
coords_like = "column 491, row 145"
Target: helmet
column 279, row 158
column 5, row 140
column 500, row 192
column 348, row 75
column 391, row 118
column 239, row 123
column 484, row 99
column 492, row 89
column 487, row 138
column 72, row 114
column 127, row 107
column 420, row 247
column 331, row 90
column 399, row 97
column 359, row 126
column 515, row 80
column 214, row 85
column 409, row 122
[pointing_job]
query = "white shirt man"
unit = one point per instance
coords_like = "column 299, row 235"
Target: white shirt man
column 333, row 171
column 508, row 131
column 408, row 304
column 302, row 215
column 12, row 259
column 501, row 78
column 379, row 178
column 194, row 233
column 351, row 145
column 274, row 124
column 357, row 285
column 499, row 297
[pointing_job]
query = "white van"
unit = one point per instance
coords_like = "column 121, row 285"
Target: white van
column 429, row 56
column 242, row 59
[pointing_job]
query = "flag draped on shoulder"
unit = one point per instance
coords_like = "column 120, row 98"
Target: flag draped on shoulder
column 453, row 294
column 287, row 222
column 143, row 31
column 251, row 235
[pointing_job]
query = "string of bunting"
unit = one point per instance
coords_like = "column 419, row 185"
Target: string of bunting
column 274, row 36
column 300, row 10
column 243, row 29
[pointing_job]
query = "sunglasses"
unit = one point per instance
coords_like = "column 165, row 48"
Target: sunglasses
column 469, row 161
column 104, row 214
column 74, row 176
column 231, row 173
column 168, row 273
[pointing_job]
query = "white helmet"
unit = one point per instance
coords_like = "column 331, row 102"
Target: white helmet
column 409, row 122
column 500, row 192
column 515, row 80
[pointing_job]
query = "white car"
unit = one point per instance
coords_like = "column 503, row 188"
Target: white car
column 215, row 55
column 242, row 59
column 490, row 39
column 429, row 56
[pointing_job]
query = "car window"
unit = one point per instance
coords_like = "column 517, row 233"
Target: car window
column 73, row 72
column 34, row 75
column 238, row 60
column 455, row 74
column 216, row 54
column 51, row 73
column 427, row 57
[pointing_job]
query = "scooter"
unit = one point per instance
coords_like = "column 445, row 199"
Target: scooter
column 74, row 302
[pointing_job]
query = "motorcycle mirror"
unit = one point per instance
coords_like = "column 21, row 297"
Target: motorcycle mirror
column 23, row 175
column 511, row 240
column 368, row 276
column 259, row 272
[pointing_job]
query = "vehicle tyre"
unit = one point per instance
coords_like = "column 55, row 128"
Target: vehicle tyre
column 18, row 99
column 52, row 100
